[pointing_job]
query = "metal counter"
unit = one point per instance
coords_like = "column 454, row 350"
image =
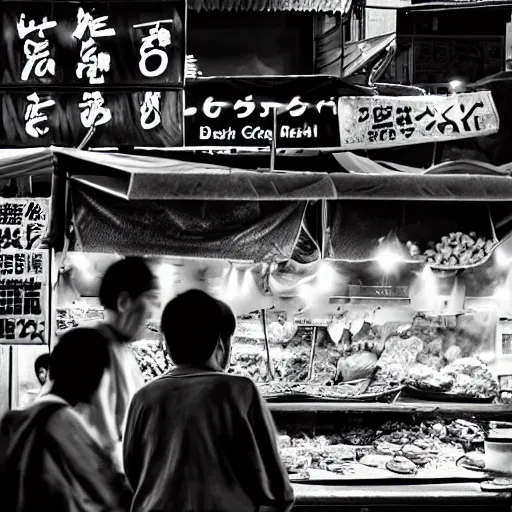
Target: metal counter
column 462, row 496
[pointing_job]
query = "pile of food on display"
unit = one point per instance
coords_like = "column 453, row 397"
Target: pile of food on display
column 429, row 355
column 77, row 314
column 396, row 449
column 248, row 357
column 458, row 249
column 152, row 358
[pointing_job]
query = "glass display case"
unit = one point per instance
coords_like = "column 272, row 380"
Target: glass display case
column 365, row 383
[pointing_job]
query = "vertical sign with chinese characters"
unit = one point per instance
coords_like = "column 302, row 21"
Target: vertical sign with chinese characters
column 368, row 122
column 23, row 271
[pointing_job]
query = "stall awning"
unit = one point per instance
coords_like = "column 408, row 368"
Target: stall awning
column 454, row 4
column 135, row 177
column 336, row 6
column 19, row 163
column 449, row 181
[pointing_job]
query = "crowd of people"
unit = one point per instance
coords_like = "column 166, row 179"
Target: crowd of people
column 98, row 440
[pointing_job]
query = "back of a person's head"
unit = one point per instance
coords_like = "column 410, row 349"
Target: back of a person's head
column 78, row 362
column 192, row 324
column 130, row 275
column 43, row 361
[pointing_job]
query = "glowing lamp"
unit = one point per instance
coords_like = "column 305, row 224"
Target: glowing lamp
column 388, row 260
column 456, row 85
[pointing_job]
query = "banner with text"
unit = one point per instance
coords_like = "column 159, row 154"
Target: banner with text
column 92, row 44
column 23, row 271
column 233, row 112
column 64, row 118
column 368, row 122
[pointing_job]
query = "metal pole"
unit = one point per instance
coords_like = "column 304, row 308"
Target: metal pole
column 273, row 147
column 270, row 366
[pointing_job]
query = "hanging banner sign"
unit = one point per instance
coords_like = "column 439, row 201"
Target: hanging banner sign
column 23, row 271
column 230, row 112
column 368, row 122
column 63, row 118
column 92, row 43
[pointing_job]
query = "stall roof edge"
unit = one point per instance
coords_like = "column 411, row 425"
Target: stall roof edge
column 138, row 177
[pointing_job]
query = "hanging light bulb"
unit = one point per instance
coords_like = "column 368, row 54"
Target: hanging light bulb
column 388, row 260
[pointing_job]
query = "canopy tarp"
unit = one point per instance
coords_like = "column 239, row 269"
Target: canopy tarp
column 247, row 230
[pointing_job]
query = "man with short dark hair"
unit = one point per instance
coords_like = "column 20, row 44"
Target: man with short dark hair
column 198, row 439
column 130, row 296
column 49, row 459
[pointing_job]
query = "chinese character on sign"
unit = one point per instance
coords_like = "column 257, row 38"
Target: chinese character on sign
column 35, row 212
column 32, row 297
column 150, row 110
column 34, row 232
column 93, row 111
column 153, row 45
column 92, row 62
column 34, row 117
column 10, row 238
column 11, row 297
column 19, row 263
column 11, row 213
column 404, row 121
column 6, row 264
column 382, row 123
column 35, row 263
column 37, row 53
column 7, row 329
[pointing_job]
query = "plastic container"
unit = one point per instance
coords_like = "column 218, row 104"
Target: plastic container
column 498, row 455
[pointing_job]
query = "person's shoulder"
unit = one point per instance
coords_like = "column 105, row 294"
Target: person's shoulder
column 65, row 426
column 238, row 380
column 240, row 385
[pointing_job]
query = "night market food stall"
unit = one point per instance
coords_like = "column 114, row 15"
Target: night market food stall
column 325, row 291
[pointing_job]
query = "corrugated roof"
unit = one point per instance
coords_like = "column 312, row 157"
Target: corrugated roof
column 338, row 6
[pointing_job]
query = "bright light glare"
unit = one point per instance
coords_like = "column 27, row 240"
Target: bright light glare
column 306, row 292
column 456, row 84
column 388, row 260
column 501, row 258
column 79, row 260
